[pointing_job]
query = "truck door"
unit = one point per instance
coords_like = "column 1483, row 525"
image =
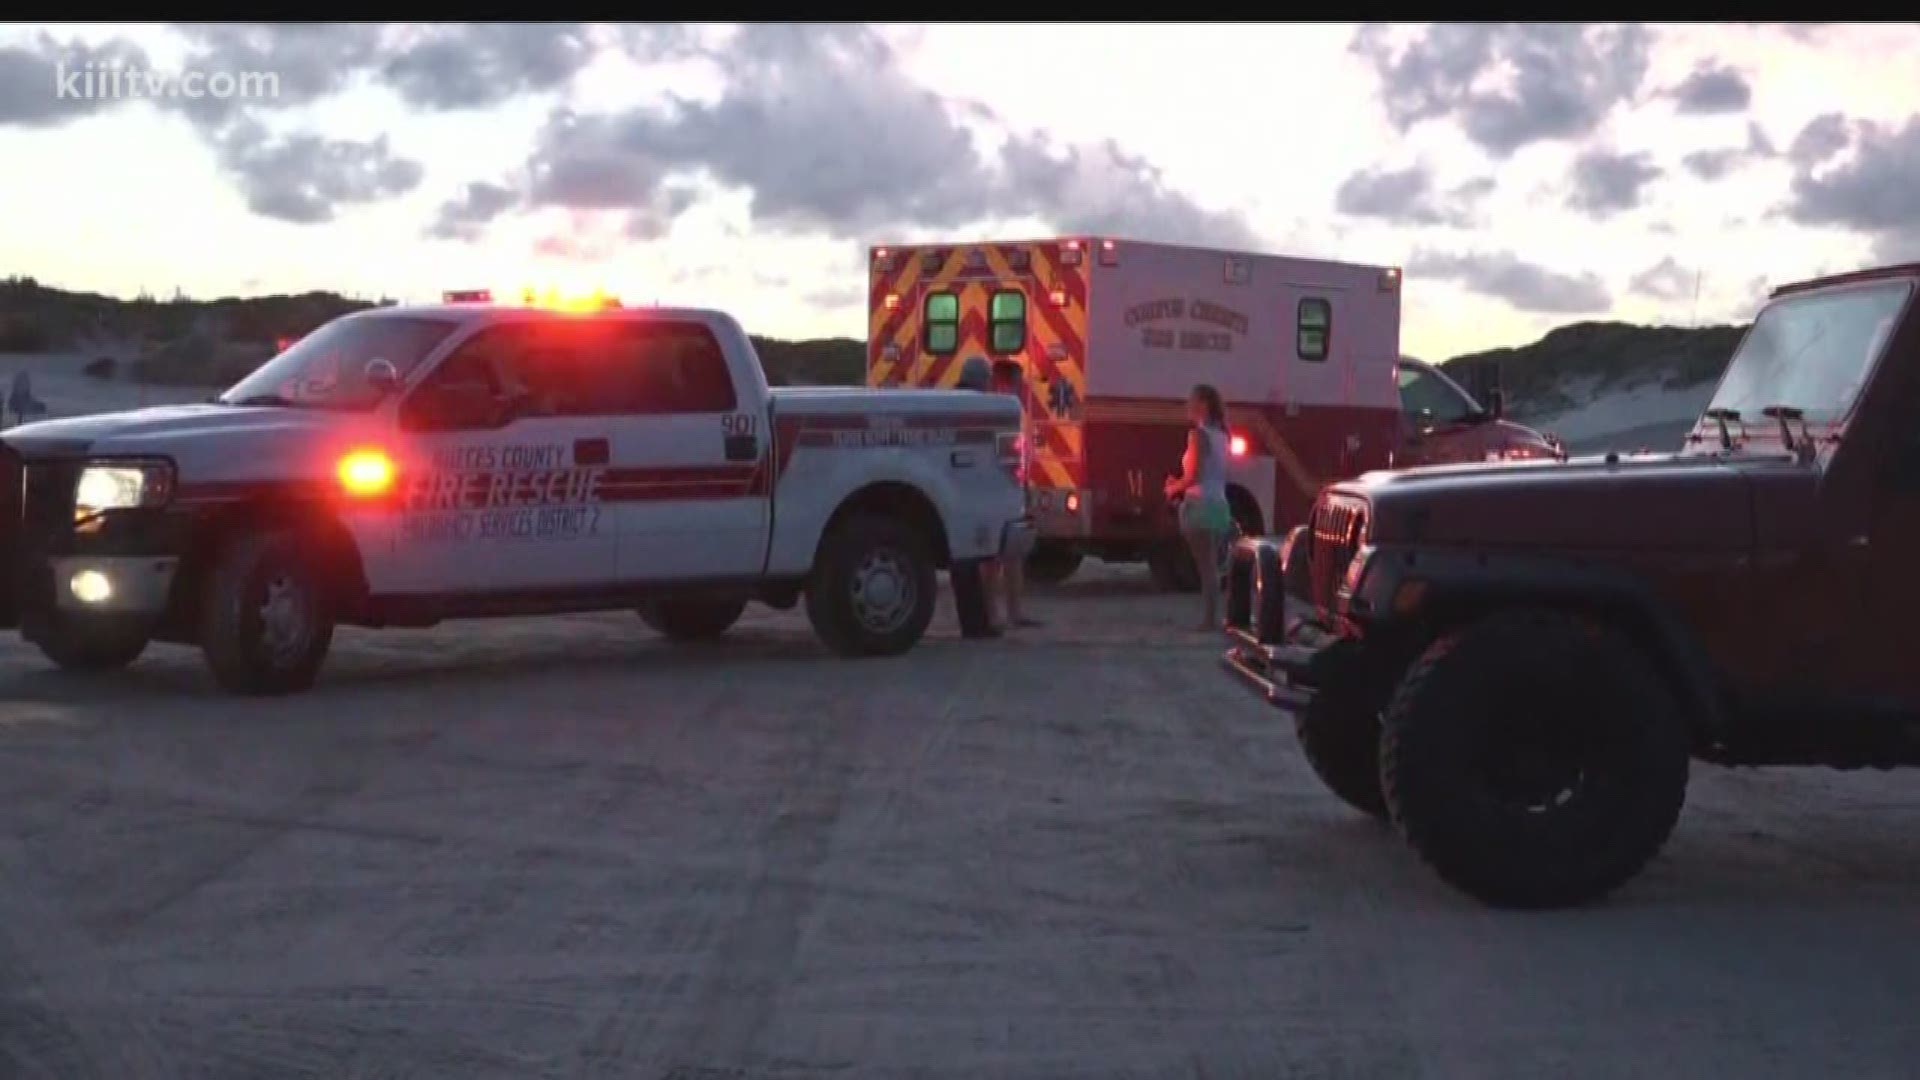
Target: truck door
column 1888, row 579
column 501, row 476
column 688, row 488
column 1438, row 423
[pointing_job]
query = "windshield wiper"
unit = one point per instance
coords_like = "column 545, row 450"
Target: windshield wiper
column 1722, row 416
column 1784, row 413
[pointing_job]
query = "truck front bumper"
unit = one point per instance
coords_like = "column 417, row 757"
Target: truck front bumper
column 1288, row 675
column 112, row 584
column 1276, row 644
column 119, row 567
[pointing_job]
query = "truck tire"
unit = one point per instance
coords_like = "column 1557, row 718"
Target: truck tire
column 693, row 617
column 1534, row 759
column 267, row 617
column 873, row 587
column 80, row 643
column 1051, row 564
column 1171, row 566
column 1339, row 735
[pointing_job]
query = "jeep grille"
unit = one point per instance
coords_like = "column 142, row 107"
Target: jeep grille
column 1339, row 528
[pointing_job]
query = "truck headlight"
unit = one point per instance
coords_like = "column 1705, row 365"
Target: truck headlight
column 121, row 485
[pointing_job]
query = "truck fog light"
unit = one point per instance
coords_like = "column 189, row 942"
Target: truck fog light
column 91, row 587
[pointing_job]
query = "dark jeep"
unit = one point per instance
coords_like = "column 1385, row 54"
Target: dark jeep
column 1515, row 662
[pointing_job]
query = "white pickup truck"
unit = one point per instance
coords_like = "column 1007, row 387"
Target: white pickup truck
column 401, row 466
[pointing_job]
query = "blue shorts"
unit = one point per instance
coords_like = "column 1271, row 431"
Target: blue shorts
column 1205, row 515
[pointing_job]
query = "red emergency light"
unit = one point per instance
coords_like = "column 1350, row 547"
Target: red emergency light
column 892, row 301
column 1109, row 255
column 1070, row 253
column 1237, row 446
column 1059, row 297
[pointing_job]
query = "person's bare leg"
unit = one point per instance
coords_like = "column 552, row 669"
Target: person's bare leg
column 1014, row 576
column 1200, row 542
column 991, row 572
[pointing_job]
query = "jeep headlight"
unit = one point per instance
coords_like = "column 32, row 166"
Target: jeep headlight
column 121, row 485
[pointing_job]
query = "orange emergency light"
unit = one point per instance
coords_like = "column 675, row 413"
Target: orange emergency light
column 366, row 473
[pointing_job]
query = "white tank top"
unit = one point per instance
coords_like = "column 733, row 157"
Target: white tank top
column 1211, row 470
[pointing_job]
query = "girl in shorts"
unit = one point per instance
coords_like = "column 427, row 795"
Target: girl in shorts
column 1201, row 488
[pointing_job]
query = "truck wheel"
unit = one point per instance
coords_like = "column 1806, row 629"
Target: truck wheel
column 80, row 643
column 1534, row 759
column 873, row 586
column 267, row 619
column 1170, row 565
column 1051, row 564
column 693, row 618
column 1339, row 734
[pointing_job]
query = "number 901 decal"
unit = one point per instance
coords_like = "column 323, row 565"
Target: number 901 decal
column 738, row 423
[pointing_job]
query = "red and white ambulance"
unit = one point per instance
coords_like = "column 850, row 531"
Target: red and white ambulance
column 1111, row 335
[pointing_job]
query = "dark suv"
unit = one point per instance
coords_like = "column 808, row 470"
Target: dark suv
column 1514, row 662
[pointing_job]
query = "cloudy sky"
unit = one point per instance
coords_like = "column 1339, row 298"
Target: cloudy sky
column 1526, row 176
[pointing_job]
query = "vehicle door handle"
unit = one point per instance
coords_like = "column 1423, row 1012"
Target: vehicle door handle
column 743, row 448
column 591, row 452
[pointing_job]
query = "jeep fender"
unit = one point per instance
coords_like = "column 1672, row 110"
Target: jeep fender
column 1462, row 585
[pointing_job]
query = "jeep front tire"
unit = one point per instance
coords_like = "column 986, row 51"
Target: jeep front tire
column 873, row 587
column 1534, row 759
column 90, row 642
column 1339, row 734
column 267, row 617
column 701, row 617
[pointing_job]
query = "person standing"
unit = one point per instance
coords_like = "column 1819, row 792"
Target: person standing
column 1201, row 488
column 1007, row 574
column 970, row 600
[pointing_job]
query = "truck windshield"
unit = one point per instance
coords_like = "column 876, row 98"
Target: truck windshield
column 1812, row 353
column 327, row 369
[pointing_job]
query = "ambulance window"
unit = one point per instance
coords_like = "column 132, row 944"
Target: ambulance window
column 666, row 367
column 1315, row 327
column 941, row 323
column 1007, row 318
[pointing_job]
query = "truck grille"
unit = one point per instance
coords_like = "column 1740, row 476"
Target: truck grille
column 46, row 501
column 1339, row 528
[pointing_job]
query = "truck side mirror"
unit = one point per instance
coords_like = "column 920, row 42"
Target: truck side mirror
column 1496, row 403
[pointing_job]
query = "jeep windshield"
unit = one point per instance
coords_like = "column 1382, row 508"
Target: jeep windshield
column 327, row 369
column 1812, row 352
